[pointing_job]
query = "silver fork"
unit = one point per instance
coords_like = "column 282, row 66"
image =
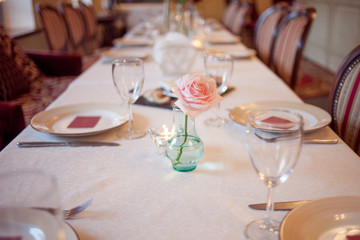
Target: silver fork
column 70, row 213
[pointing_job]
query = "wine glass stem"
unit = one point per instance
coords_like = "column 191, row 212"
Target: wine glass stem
column 131, row 119
column 218, row 112
column 269, row 208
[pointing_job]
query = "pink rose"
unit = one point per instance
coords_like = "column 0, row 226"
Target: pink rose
column 196, row 94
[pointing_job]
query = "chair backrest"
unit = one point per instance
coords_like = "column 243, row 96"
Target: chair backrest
column 344, row 100
column 291, row 35
column 76, row 27
column 89, row 15
column 229, row 12
column 265, row 30
column 54, row 27
column 238, row 19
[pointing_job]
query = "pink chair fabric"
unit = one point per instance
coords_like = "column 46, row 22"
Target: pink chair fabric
column 265, row 30
column 291, row 35
column 344, row 100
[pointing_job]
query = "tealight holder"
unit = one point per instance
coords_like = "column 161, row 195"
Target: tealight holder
column 160, row 136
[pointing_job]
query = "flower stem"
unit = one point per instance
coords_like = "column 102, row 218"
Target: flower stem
column 182, row 145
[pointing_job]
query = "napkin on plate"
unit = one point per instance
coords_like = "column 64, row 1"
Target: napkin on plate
column 174, row 53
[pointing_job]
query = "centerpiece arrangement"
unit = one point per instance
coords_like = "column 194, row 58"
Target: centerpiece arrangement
column 196, row 94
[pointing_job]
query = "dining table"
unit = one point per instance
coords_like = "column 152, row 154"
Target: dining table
column 135, row 190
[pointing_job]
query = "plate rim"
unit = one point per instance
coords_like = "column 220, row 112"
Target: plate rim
column 279, row 104
column 89, row 106
column 301, row 208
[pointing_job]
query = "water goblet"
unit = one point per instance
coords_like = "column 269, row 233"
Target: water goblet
column 128, row 78
column 30, row 206
column 274, row 140
column 218, row 66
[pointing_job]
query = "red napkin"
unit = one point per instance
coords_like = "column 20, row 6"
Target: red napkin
column 84, row 122
column 277, row 120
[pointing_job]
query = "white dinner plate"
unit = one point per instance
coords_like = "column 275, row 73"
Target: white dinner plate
column 125, row 52
column 26, row 222
column 57, row 120
column 324, row 219
column 136, row 41
column 314, row 117
column 237, row 51
column 222, row 37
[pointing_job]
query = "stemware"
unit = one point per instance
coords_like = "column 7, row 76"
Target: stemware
column 218, row 66
column 274, row 140
column 30, row 206
column 128, row 77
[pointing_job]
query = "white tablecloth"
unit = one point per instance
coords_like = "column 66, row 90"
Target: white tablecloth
column 137, row 194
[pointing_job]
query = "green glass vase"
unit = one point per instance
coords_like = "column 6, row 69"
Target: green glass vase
column 185, row 148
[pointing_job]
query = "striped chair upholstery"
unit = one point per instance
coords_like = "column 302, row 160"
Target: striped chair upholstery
column 291, row 35
column 76, row 27
column 238, row 19
column 229, row 12
column 344, row 101
column 265, row 30
column 89, row 15
column 54, row 27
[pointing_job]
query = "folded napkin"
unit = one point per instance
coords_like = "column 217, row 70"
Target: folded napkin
column 174, row 53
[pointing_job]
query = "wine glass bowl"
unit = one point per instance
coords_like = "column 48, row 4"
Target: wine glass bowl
column 274, row 140
column 128, row 78
column 218, row 65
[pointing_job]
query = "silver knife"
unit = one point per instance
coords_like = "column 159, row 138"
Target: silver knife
column 321, row 141
column 279, row 206
column 66, row 144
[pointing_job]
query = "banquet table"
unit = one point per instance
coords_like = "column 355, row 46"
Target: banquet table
column 136, row 192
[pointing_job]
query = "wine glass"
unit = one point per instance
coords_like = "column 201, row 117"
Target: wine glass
column 128, row 77
column 274, row 140
column 218, row 66
column 30, row 206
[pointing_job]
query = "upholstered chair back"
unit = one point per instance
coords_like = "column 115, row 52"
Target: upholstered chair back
column 238, row 20
column 344, row 100
column 76, row 26
column 265, row 30
column 89, row 15
column 291, row 35
column 54, row 27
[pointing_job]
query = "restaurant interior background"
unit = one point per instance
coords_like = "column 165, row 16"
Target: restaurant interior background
column 334, row 33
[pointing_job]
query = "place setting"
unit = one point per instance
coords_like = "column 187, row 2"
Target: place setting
column 34, row 213
column 274, row 139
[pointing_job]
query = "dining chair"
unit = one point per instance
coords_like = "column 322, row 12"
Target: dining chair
column 264, row 34
column 90, row 18
column 54, row 27
column 76, row 27
column 238, row 19
column 344, row 100
column 229, row 12
column 291, row 35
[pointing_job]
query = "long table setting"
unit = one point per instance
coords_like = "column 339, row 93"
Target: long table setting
column 138, row 193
